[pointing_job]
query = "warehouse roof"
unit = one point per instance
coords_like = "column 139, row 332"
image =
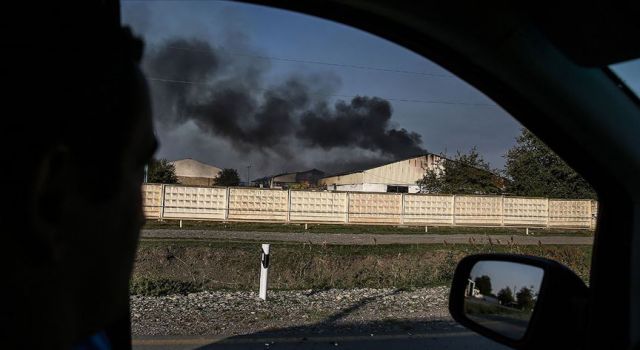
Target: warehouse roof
column 377, row 165
column 192, row 168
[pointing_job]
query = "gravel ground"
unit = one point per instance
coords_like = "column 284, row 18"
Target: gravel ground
column 367, row 238
column 313, row 312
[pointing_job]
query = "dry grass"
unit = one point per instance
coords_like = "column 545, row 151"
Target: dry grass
column 225, row 265
column 341, row 228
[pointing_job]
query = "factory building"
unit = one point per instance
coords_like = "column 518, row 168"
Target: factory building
column 399, row 176
column 195, row 173
column 302, row 179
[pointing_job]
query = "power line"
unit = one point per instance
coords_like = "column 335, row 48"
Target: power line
column 332, row 64
column 398, row 99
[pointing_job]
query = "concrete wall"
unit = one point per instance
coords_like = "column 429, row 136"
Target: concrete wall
column 182, row 202
column 152, row 200
column 428, row 209
column 526, row 211
column 318, row 206
column 375, row 208
column 254, row 204
column 570, row 213
column 478, row 210
column 249, row 204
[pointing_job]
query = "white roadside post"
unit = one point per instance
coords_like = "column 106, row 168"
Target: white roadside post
column 264, row 271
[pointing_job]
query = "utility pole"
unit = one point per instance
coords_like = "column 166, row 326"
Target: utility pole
column 249, row 175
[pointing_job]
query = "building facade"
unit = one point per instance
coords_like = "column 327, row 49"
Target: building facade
column 302, row 179
column 400, row 176
column 195, row 173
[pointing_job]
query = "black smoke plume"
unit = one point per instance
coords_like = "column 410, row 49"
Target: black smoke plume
column 228, row 97
column 363, row 123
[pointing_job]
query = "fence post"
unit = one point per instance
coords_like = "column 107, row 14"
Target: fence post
column 453, row 211
column 226, row 204
column 548, row 213
column 402, row 209
column 288, row 205
column 346, row 217
column 502, row 212
column 162, row 190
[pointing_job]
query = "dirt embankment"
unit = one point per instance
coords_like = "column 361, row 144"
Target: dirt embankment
column 182, row 266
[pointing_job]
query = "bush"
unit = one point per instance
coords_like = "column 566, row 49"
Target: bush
column 161, row 171
column 161, row 287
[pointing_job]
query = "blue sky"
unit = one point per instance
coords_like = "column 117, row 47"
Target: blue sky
column 630, row 73
column 508, row 274
column 247, row 31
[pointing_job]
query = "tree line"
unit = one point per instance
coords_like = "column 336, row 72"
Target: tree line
column 524, row 298
column 162, row 171
column 531, row 170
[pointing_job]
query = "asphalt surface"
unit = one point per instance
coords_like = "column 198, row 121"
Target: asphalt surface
column 450, row 339
column 510, row 327
column 366, row 238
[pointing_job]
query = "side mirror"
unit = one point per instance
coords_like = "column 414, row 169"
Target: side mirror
column 521, row 301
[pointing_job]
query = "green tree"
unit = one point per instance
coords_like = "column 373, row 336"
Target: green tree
column 524, row 298
column 161, row 171
column 483, row 283
column 534, row 170
column 505, row 295
column 227, row 177
column 467, row 173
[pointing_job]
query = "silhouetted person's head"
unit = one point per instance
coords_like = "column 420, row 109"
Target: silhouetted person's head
column 76, row 136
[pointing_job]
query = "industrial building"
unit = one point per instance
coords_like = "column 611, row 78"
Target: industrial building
column 399, row 176
column 195, row 173
column 302, row 179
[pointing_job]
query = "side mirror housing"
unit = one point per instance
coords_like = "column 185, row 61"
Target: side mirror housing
column 524, row 302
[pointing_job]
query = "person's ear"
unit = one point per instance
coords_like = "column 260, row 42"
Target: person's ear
column 50, row 196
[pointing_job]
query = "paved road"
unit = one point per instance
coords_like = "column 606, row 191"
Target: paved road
column 365, row 238
column 509, row 326
column 453, row 339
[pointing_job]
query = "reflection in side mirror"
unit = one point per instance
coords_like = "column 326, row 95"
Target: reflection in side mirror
column 524, row 302
column 501, row 296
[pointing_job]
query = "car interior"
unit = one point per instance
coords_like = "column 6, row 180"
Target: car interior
column 549, row 66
